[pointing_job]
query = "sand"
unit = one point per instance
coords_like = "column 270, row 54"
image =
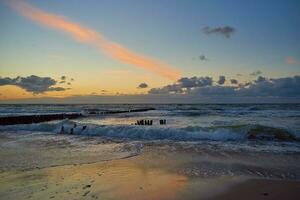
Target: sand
column 262, row 189
column 93, row 168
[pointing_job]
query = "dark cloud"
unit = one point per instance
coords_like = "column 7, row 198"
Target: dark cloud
column 215, row 90
column 221, row 80
column 183, row 85
column 279, row 87
column 256, row 73
column 202, row 57
column 142, row 85
column 194, row 82
column 68, row 83
column 34, row 84
column 63, row 78
column 225, row 31
column 234, row 81
column 72, row 79
column 169, row 89
column 261, row 87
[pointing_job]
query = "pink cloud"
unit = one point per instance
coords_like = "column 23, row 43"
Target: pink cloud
column 96, row 39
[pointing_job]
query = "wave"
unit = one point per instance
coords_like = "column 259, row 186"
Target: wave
column 189, row 133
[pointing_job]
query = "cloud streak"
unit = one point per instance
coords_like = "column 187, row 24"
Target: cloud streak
column 96, row 39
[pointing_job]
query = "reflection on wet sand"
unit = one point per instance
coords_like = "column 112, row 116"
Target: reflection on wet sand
column 123, row 180
column 107, row 180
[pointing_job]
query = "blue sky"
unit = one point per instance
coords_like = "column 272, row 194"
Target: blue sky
column 266, row 34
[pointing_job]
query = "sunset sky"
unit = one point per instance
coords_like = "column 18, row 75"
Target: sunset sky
column 101, row 49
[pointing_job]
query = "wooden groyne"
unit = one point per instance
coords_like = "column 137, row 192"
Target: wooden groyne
column 30, row 119
column 97, row 112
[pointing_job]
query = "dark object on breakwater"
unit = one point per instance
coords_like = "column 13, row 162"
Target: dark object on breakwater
column 62, row 130
column 29, row 119
column 144, row 122
column 162, row 122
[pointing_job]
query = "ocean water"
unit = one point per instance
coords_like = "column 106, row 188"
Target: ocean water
column 208, row 140
column 273, row 127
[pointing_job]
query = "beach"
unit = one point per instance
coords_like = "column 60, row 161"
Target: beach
column 47, row 166
column 149, row 100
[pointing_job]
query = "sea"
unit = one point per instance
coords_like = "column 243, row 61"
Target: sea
column 266, row 125
column 260, row 139
column 184, row 122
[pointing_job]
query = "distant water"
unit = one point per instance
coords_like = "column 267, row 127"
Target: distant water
column 231, row 124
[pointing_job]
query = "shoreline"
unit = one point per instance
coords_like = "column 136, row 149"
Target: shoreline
column 98, row 168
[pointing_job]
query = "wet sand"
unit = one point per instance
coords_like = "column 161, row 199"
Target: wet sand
column 127, row 179
column 262, row 189
column 89, row 168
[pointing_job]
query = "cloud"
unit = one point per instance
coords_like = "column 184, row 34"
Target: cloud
column 186, row 90
column 195, row 82
column 33, row 84
column 291, row 60
column 234, row 81
column 261, row 87
column 288, row 86
column 96, row 39
column 214, row 90
column 183, row 85
column 225, row 31
column 169, row 89
column 256, row 73
column 221, row 80
column 63, row 78
column 203, row 57
column 142, row 85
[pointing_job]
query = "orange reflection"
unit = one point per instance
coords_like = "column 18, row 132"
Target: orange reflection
column 121, row 180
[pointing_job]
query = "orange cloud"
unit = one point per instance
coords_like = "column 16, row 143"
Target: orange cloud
column 290, row 60
column 91, row 37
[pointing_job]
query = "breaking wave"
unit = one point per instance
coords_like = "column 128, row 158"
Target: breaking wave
column 189, row 133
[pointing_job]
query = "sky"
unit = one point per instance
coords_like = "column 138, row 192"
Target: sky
column 146, row 51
